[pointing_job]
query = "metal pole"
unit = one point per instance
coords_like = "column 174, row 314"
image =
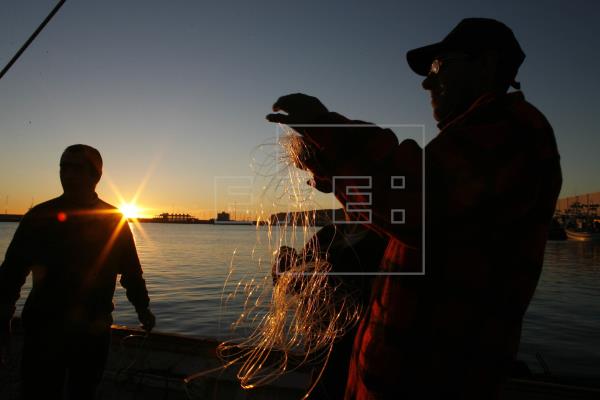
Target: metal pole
column 31, row 38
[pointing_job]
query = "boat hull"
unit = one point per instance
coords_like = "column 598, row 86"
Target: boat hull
column 583, row 236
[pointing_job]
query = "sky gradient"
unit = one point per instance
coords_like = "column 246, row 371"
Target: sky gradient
column 175, row 93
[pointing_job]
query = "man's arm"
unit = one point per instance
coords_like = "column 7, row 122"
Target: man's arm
column 376, row 178
column 370, row 171
column 133, row 281
column 13, row 273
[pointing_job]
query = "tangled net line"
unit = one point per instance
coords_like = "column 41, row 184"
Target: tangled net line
column 294, row 322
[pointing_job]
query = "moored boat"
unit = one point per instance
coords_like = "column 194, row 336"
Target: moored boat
column 582, row 236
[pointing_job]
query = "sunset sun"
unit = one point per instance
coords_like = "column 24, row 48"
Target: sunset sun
column 130, row 210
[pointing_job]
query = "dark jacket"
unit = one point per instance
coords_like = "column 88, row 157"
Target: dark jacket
column 75, row 254
column 491, row 180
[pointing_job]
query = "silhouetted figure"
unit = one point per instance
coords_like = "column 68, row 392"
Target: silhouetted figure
column 349, row 248
column 75, row 246
column 492, row 179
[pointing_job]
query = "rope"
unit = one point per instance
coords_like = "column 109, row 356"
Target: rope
column 31, row 38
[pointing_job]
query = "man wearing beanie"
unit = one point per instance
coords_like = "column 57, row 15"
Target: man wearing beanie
column 75, row 246
column 471, row 249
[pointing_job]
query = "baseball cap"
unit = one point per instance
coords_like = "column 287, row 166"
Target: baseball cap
column 473, row 36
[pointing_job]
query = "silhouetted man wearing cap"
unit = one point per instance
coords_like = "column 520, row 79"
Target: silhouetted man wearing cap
column 492, row 178
column 75, row 246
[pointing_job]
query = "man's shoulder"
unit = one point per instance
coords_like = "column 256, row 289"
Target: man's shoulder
column 44, row 208
column 536, row 129
column 41, row 213
column 525, row 113
column 105, row 206
column 502, row 120
column 107, row 209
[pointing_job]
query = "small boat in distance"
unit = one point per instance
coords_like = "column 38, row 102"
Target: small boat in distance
column 582, row 222
column 583, row 235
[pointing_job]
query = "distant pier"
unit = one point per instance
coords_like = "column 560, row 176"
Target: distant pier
column 173, row 218
column 223, row 218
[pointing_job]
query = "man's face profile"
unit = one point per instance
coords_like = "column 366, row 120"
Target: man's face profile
column 452, row 83
column 75, row 173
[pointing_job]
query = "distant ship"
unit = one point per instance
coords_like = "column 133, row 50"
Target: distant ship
column 224, row 218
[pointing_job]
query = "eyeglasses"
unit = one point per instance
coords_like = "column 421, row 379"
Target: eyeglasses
column 437, row 63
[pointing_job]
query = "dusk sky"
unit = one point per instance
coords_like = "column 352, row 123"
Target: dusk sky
column 175, row 92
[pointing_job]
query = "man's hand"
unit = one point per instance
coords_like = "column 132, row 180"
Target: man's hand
column 286, row 258
column 147, row 319
column 300, row 109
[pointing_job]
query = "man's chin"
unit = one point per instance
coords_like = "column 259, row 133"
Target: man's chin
column 440, row 113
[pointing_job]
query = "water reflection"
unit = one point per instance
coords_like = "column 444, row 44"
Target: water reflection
column 561, row 323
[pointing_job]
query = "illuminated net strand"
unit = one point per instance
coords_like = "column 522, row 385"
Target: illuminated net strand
column 302, row 325
column 296, row 322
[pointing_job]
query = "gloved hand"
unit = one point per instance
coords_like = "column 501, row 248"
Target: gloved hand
column 147, row 319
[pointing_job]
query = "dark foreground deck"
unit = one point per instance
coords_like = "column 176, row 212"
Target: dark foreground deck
column 155, row 367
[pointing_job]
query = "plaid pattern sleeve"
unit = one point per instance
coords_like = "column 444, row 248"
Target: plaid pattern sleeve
column 492, row 179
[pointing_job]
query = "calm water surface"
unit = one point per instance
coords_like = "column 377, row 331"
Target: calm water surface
column 186, row 267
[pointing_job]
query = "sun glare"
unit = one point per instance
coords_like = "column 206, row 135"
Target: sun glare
column 130, row 210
